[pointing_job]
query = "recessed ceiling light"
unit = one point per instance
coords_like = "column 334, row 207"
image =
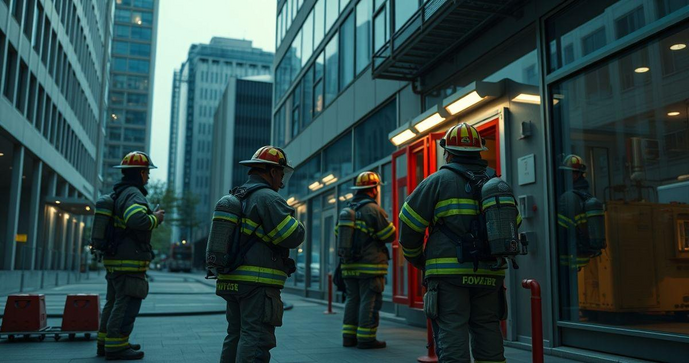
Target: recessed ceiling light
column 642, row 70
column 673, row 113
column 2, row 154
column 678, row 46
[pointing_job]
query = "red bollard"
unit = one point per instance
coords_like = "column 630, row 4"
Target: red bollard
column 24, row 313
column 82, row 313
column 430, row 357
column 330, row 295
column 536, row 319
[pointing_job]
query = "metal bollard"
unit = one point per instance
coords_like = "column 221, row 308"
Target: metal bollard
column 330, row 295
column 536, row 319
column 430, row 357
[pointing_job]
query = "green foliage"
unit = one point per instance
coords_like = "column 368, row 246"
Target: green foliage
column 179, row 212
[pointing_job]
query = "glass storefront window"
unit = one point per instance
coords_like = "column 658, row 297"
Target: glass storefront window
column 363, row 35
column 337, row 158
column 404, row 10
column 588, row 26
column 314, row 270
column 347, row 51
column 368, row 136
column 307, row 41
column 318, row 23
column 307, row 105
column 386, row 204
column 331, row 70
column 624, row 263
column 331, row 13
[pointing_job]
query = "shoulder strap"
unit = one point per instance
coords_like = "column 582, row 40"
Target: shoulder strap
column 244, row 192
column 361, row 204
column 462, row 171
column 583, row 195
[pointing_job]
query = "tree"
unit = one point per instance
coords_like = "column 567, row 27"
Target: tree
column 160, row 194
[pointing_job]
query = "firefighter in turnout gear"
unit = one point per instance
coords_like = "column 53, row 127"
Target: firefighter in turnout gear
column 465, row 293
column 578, row 211
column 268, row 230
column 364, row 262
column 127, row 261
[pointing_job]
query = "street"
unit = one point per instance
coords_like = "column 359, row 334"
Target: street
column 182, row 321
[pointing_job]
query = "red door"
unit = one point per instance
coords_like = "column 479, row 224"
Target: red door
column 410, row 165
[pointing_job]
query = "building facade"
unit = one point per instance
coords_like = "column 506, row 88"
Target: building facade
column 54, row 64
column 374, row 84
column 200, row 84
column 131, row 84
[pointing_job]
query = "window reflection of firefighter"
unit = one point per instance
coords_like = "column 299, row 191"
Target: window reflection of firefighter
column 581, row 234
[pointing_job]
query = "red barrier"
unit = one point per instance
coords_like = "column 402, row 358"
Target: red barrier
column 536, row 319
column 24, row 313
column 430, row 357
column 82, row 313
column 330, row 295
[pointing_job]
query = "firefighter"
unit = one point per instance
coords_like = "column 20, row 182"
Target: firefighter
column 364, row 272
column 464, row 296
column 571, row 219
column 126, row 266
column 252, row 291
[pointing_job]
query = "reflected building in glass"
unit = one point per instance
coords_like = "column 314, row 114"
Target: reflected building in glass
column 374, row 85
column 130, row 96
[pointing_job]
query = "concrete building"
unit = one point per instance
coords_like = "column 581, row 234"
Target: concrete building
column 53, row 76
column 131, row 84
column 373, row 85
column 197, row 89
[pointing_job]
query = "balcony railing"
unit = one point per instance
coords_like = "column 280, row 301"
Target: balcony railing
column 435, row 29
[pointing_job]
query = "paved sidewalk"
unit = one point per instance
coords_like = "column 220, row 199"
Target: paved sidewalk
column 307, row 335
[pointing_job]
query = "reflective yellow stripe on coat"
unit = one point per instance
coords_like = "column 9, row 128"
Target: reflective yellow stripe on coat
column 256, row 274
column 126, row 265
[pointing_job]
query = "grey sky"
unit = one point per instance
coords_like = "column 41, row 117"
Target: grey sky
column 182, row 23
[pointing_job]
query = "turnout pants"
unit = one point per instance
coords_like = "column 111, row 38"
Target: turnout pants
column 362, row 307
column 463, row 311
column 123, row 302
column 252, row 316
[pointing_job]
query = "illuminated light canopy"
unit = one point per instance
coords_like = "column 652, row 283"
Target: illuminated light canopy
column 57, row 202
column 471, row 95
column 464, row 103
column 342, row 198
column 329, row 179
column 429, row 119
column 88, row 208
column 349, row 196
column 2, row 154
column 315, row 186
column 292, row 201
column 642, row 70
column 678, row 46
column 332, row 200
column 528, row 98
column 406, row 135
column 673, row 113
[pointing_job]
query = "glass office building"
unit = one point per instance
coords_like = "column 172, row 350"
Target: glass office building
column 131, row 84
column 374, row 84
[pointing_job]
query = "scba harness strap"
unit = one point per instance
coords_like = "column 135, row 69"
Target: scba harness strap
column 470, row 245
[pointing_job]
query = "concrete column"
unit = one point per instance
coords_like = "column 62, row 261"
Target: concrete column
column 64, row 222
column 72, row 225
column 13, row 207
column 34, row 212
column 80, row 236
column 49, row 229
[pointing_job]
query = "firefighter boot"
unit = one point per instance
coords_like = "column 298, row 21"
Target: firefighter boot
column 375, row 344
column 100, row 351
column 127, row 354
column 349, row 342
